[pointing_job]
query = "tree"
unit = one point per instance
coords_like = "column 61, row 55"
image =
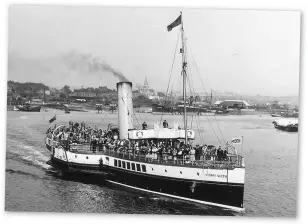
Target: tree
column 197, row 98
column 66, row 89
column 141, row 100
column 62, row 95
column 161, row 94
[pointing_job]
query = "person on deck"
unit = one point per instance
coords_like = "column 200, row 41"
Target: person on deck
column 192, row 153
column 225, row 154
column 144, row 126
column 165, row 124
column 198, row 150
column 219, row 153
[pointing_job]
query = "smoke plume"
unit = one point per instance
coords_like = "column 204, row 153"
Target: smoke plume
column 86, row 63
column 71, row 68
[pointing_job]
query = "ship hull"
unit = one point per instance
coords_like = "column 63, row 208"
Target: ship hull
column 31, row 109
column 203, row 192
column 225, row 195
column 157, row 109
column 286, row 128
column 162, row 109
column 194, row 110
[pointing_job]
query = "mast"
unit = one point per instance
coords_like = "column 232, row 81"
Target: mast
column 44, row 95
column 184, row 64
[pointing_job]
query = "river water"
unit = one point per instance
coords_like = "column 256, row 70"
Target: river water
column 32, row 185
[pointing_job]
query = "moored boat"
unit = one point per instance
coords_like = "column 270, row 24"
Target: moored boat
column 285, row 124
column 275, row 115
column 29, row 108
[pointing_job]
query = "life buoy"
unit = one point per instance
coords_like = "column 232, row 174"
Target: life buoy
column 139, row 134
column 74, row 146
column 189, row 134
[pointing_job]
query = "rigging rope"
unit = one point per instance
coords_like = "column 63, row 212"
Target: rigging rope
column 197, row 122
column 170, row 77
column 220, row 130
column 133, row 113
column 206, row 115
column 190, row 83
column 105, row 116
column 207, row 96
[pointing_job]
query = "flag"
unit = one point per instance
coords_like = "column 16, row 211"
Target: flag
column 52, row 119
column 238, row 140
column 177, row 22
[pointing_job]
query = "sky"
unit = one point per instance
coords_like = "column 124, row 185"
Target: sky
column 243, row 51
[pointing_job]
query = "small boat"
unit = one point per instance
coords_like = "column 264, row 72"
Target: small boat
column 15, row 108
column 29, row 108
column 290, row 125
column 275, row 115
column 286, row 114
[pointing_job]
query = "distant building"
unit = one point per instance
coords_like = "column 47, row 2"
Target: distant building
column 81, row 94
column 37, row 101
column 233, row 104
column 145, row 89
column 155, row 97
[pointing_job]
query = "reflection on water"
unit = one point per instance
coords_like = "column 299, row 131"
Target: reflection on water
column 32, row 185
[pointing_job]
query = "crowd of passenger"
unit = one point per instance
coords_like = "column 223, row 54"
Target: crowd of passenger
column 99, row 140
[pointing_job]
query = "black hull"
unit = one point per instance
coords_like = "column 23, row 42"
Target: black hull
column 162, row 109
column 212, row 193
column 32, row 109
column 286, row 128
column 193, row 110
column 178, row 110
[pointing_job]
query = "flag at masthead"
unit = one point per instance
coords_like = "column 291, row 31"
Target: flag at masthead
column 177, row 22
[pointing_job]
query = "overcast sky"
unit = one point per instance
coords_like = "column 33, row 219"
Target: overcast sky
column 243, row 51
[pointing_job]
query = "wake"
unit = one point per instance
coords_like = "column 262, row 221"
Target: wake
column 29, row 155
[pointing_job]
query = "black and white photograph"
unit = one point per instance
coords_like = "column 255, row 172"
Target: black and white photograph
column 152, row 110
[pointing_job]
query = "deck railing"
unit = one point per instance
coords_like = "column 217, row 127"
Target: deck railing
column 231, row 160
column 188, row 160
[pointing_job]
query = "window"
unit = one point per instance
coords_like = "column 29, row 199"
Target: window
column 138, row 167
column 133, row 166
column 119, row 163
column 123, row 164
column 128, row 165
column 143, row 168
column 115, row 162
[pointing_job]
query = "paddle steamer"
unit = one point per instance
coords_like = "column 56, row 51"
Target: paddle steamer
column 204, row 180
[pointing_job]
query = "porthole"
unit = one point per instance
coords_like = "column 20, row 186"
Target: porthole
column 75, row 156
column 198, row 174
column 144, row 169
column 87, row 157
column 180, row 172
column 152, row 168
column 166, row 171
column 138, row 167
